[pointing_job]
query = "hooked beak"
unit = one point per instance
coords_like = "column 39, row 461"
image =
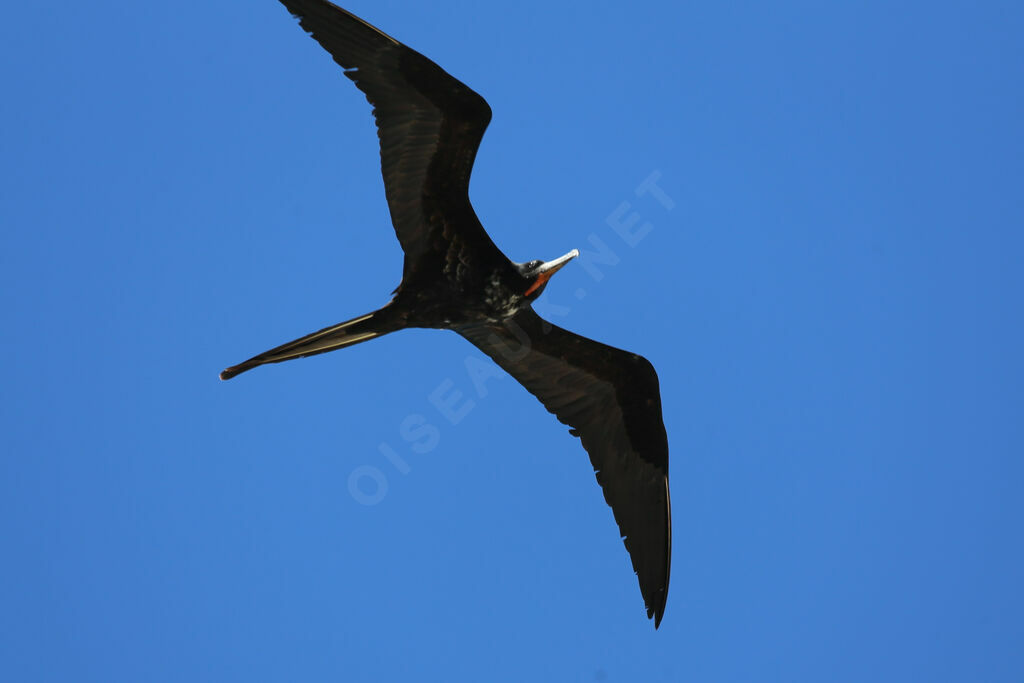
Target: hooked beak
column 548, row 269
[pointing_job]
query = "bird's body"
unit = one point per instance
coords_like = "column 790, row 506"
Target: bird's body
column 454, row 277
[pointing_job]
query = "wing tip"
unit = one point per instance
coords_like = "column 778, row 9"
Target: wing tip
column 656, row 606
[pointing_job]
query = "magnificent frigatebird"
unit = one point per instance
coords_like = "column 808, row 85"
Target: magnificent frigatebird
column 455, row 278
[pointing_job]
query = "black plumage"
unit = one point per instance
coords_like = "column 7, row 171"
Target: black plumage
column 430, row 126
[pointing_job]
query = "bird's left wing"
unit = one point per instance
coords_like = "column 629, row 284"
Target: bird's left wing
column 611, row 400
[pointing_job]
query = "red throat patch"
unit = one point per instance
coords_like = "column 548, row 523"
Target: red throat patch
column 541, row 279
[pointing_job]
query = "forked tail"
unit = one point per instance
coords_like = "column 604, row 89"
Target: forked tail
column 363, row 328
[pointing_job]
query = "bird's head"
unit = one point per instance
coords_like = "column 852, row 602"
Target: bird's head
column 537, row 273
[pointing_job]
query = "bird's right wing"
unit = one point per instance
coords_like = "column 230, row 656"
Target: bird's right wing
column 611, row 400
column 430, row 126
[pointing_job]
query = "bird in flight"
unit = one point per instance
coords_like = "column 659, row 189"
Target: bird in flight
column 455, row 278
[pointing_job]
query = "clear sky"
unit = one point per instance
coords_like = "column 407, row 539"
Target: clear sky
column 830, row 288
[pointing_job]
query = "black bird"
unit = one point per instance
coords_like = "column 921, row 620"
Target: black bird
column 455, row 278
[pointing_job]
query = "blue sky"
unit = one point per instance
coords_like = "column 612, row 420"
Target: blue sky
column 830, row 290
